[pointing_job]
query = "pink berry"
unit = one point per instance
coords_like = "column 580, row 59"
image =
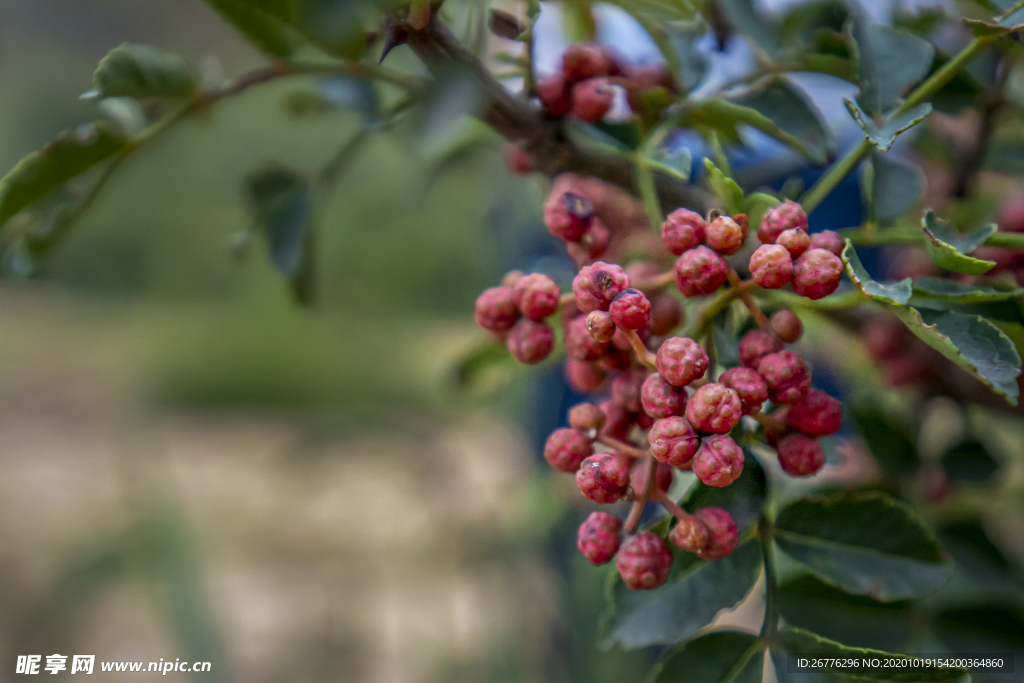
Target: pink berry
column 775, row 425
column 748, row 385
column 536, row 295
column 617, row 420
column 510, row 279
column 666, row 314
column 795, row 240
column 673, row 441
column 662, row 476
column 615, row 359
column 719, row 461
column 568, row 216
column 597, row 284
column 530, row 341
column 496, row 309
column 582, row 61
column 780, row 218
column 771, row 266
column 787, row 326
column 586, row 416
column 644, row 561
column 517, row 160
column 580, row 344
column 553, row 92
column 725, row 235
column 817, row 273
column 592, row 245
column 598, row 537
column 661, row 399
column 584, row 377
column 786, row 375
column 592, row 99
column 681, row 360
column 603, row 477
column 683, row 230
column 626, row 389
column 723, row 535
column 566, row 448
column 743, row 221
column 643, row 420
column 700, row 271
column 816, row 414
column 829, row 241
column 630, row 310
column 690, row 534
column 714, row 409
column 600, row 326
column 755, row 345
column 800, row 455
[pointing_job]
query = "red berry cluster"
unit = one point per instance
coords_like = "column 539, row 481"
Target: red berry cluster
column 515, row 312
column 789, row 255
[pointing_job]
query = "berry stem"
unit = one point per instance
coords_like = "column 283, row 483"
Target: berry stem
column 770, row 626
column 755, row 311
column 656, row 282
column 673, row 508
column 715, row 306
column 642, row 354
column 620, row 447
column 641, row 498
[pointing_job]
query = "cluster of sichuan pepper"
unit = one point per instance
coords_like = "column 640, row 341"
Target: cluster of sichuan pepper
column 663, row 405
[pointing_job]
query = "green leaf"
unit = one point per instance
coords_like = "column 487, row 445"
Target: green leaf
column 887, row 292
column 954, row 292
column 282, row 208
column 949, row 249
column 687, row 603
column 717, row 657
column 756, row 203
column 724, row 187
column 891, row 61
column 799, row 642
column 761, row 30
column 864, row 543
column 689, row 65
column 744, row 499
column 896, row 186
column 883, row 135
column 969, row 461
column 982, row 628
column 1009, row 21
column 785, row 113
column 676, row 164
column 264, row 30
column 142, row 71
column 891, row 442
column 970, row 341
column 532, row 15
column 46, row 170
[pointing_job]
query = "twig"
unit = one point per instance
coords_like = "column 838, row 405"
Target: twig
column 621, row 447
column 673, row 507
column 642, row 354
column 641, row 497
column 755, row 311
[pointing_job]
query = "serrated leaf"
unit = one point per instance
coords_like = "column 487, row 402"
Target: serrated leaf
column 949, row 249
column 142, row 71
column 264, row 30
column 969, row 461
column 887, row 292
column 970, row 341
column 800, row 642
column 46, row 170
column 687, row 603
column 283, row 211
column 788, row 115
column 864, row 543
column 884, row 135
column 724, row 187
column 896, row 186
column 717, row 657
column 954, row 292
column 891, row 61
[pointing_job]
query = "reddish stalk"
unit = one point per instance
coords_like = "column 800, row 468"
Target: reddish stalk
column 642, row 354
column 755, row 311
column 640, row 499
column 673, row 507
column 621, row 447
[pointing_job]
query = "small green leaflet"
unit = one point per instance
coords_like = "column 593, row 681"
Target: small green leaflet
column 1009, row 21
column 895, row 186
column 948, row 249
column 725, row 187
column 142, row 71
column 897, row 293
column 884, row 135
column 282, row 210
column 891, row 60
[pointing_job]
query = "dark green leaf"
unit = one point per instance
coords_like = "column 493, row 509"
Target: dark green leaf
column 896, row 186
column 864, row 543
column 1010, row 20
column 761, row 30
column 724, row 187
column 891, row 61
column 744, row 499
column 46, row 170
column 982, row 628
column 687, row 603
column 264, row 30
column 970, row 462
column 886, row 292
column 884, row 135
column 954, row 292
column 141, row 71
column 891, row 442
column 717, row 657
column 949, row 249
column 787, row 115
column 282, row 209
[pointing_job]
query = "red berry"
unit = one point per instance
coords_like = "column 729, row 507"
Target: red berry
column 598, row 537
column 725, row 235
column 592, row 245
column 817, row 273
column 582, row 61
column 714, row 408
column 597, row 284
column 787, row 326
column 816, row 414
column 681, row 360
column 829, row 241
column 580, row 344
column 536, row 295
column 786, row 375
column 673, row 441
column 776, row 426
column 743, row 221
column 510, row 279
column 666, row 314
column 690, row 534
column 496, row 309
column 592, row 99
column 755, row 345
column 603, row 477
column 568, row 216
column 800, row 455
column 795, row 240
column 530, row 341
column 683, row 230
column 771, row 266
column 748, row 385
column 644, row 561
column 584, row 377
column 617, row 420
column 662, row 476
column 661, row 399
column 516, row 160
column 615, row 359
column 553, row 92
column 586, row 416
column 600, row 326
column 626, row 389
column 643, row 420
column 700, row 271
column 719, row 461
column 779, row 218
column 723, row 535
column 566, row 448
column 630, row 310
